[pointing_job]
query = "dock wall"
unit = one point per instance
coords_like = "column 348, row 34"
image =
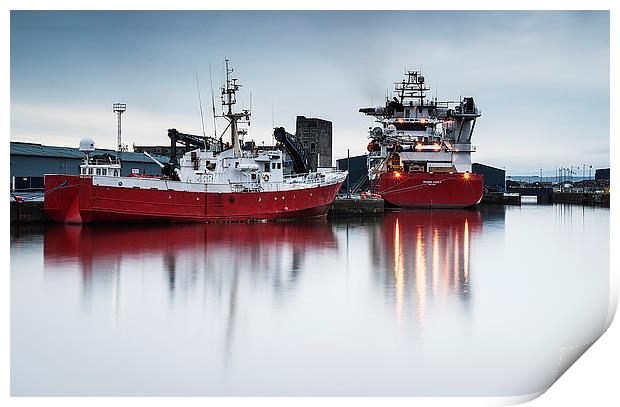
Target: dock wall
column 582, row 198
column 28, row 212
column 499, row 198
column 355, row 207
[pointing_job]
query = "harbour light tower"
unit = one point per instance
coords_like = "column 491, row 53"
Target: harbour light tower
column 119, row 108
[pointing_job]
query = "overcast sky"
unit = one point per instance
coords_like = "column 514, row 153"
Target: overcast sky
column 541, row 79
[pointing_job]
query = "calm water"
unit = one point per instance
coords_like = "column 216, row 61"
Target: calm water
column 485, row 303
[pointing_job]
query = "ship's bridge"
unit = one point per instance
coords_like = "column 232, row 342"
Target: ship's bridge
column 413, row 124
column 101, row 164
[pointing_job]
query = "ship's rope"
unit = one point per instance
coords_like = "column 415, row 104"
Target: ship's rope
column 63, row 185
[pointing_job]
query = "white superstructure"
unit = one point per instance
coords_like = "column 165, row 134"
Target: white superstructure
column 414, row 134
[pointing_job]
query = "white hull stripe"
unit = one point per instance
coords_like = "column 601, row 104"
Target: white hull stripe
column 164, row 185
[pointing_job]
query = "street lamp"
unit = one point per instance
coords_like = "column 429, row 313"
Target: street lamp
column 541, row 175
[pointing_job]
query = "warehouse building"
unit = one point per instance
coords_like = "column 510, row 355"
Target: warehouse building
column 601, row 174
column 494, row 178
column 358, row 172
column 30, row 161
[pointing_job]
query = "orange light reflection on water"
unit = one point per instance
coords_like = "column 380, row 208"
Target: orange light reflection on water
column 399, row 282
column 420, row 275
column 429, row 260
column 466, row 252
column 435, row 254
column 456, row 260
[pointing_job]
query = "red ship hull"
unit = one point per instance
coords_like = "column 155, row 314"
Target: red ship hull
column 74, row 199
column 429, row 190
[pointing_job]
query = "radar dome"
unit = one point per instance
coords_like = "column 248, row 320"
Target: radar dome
column 87, row 145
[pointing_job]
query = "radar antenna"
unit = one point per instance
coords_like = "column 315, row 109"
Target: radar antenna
column 412, row 87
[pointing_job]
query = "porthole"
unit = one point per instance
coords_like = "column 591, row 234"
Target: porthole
column 120, row 184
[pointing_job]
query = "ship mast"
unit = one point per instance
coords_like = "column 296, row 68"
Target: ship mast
column 412, row 88
column 229, row 98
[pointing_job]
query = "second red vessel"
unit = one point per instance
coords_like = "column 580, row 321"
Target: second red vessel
column 420, row 151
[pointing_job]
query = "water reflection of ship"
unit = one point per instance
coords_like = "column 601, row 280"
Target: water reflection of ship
column 188, row 248
column 216, row 258
column 424, row 255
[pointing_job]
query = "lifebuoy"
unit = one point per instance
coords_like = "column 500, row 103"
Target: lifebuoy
column 265, row 177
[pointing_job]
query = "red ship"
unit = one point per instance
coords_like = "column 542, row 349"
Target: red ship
column 86, row 199
column 211, row 183
column 420, row 151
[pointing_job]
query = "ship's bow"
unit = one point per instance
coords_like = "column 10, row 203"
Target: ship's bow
column 62, row 198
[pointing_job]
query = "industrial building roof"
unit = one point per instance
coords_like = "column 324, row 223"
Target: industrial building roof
column 353, row 157
column 489, row 167
column 39, row 150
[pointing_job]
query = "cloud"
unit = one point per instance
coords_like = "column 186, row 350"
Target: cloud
column 541, row 78
column 67, row 124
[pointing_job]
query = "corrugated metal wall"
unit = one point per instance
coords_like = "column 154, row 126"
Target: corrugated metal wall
column 35, row 166
column 357, row 168
column 494, row 178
